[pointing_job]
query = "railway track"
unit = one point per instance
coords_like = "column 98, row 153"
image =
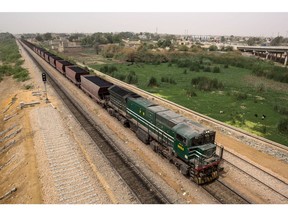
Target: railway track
column 198, row 115
column 217, row 189
column 224, row 194
column 271, row 182
column 140, row 186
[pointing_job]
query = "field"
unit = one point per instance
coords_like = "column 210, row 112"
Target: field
column 255, row 104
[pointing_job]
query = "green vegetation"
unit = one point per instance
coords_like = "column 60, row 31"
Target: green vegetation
column 283, row 126
column 152, row 82
column 206, row 84
column 10, row 62
column 234, row 95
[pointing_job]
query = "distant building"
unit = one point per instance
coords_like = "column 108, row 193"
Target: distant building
column 132, row 44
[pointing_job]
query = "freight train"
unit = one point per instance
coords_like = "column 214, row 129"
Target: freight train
column 187, row 144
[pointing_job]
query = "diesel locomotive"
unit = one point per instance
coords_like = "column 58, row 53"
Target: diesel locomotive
column 187, row 144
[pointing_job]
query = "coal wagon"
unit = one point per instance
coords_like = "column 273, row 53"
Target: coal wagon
column 95, row 87
column 74, row 73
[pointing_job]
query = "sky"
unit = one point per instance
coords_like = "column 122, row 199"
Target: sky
column 205, row 17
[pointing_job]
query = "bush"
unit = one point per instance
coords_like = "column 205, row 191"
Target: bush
column 213, row 48
column 190, row 93
column 29, row 86
column 216, row 69
column 131, row 78
column 108, row 69
column 207, row 84
column 207, row 69
column 119, row 76
column 283, row 126
column 240, row 96
column 152, row 82
column 168, row 80
column 281, row 109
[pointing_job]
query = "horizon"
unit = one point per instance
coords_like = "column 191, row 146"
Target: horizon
column 242, row 24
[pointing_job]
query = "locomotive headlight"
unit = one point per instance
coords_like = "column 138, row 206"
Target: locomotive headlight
column 186, row 157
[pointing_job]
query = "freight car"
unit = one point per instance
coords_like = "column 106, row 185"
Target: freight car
column 53, row 59
column 73, row 73
column 61, row 64
column 187, row 144
column 96, row 88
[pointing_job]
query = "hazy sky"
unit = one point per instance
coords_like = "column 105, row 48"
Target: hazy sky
column 250, row 24
column 225, row 17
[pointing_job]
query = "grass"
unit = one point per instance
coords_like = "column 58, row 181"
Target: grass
column 239, row 103
column 10, row 59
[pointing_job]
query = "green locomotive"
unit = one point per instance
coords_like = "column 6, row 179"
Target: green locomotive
column 187, row 144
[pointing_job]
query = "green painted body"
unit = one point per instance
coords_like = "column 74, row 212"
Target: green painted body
column 160, row 121
column 185, row 137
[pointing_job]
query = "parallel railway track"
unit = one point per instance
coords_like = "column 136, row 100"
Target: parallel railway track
column 140, row 186
column 270, row 181
column 224, row 194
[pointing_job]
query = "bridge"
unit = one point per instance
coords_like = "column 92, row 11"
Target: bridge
column 278, row 54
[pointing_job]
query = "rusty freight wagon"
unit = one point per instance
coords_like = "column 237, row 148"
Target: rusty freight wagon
column 47, row 55
column 95, row 87
column 61, row 64
column 73, row 73
column 42, row 53
column 53, row 59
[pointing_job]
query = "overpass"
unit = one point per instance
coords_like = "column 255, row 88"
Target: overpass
column 278, row 54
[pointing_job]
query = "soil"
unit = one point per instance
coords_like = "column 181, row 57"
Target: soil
column 21, row 170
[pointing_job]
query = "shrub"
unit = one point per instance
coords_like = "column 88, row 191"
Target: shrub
column 207, row 69
column 152, row 82
column 283, row 126
column 131, row 78
column 119, row 76
column 190, row 93
column 216, row 69
column 240, row 96
column 281, row 109
column 29, row 86
column 168, row 80
column 108, row 69
column 207, row 84
column 213, row 48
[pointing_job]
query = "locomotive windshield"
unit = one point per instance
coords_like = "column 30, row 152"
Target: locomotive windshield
column 203, row 139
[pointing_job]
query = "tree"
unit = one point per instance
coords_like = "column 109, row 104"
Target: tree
column 277, row 41
column 223, row 39
column 164, row 43
column 213, row 48
column 251, row 41
column 39, row 37
column 47, row 36
column 183, row 48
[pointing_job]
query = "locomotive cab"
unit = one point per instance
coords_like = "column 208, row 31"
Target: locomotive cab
column 197, row 147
